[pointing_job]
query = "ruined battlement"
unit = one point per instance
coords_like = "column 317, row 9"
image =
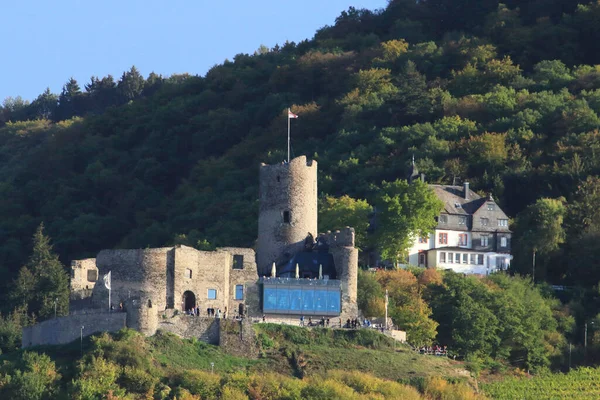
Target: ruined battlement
column 340, row 238
column 294, row 162
column 84, row 275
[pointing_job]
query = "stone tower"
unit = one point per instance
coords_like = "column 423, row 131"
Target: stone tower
column 287, row 210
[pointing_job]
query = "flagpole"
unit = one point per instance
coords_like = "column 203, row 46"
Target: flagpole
column 386, row 309
column 288, row 142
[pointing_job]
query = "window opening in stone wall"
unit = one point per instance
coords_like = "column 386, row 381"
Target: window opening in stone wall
column 212, row 294
column 188, row 273
column 287, row 217
column 443, row 219
column 278, row 178
column 238, row 261
column 491, row 206
column 149, row 303
column 92, row 275
column 239, row 292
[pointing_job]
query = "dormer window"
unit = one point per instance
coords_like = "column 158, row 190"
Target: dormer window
column 287, row 217
column 457, row 205
column 491, row 206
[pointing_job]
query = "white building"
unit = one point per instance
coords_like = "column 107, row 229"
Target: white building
column 471, row 236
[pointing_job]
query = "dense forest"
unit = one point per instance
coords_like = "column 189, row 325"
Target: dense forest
column 504, row 95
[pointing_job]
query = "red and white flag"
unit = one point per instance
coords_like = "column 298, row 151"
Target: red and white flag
column 291, row 114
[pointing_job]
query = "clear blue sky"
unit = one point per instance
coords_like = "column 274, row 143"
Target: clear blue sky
column 46, row 42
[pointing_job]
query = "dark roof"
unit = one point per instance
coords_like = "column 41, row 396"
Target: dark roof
column 454, row 199
column 308, row 262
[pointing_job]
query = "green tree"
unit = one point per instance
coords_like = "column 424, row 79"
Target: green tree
column 404, row 211
column 539, row 230
column 370, row 296
column 131, row 85
column 35, row 378
column 43, row 282
column 69, row 101
column 44, row 106
column 339, row 212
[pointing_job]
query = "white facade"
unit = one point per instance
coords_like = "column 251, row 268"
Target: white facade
column 436, row 250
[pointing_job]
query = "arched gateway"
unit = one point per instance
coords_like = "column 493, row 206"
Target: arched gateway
column 189, row 300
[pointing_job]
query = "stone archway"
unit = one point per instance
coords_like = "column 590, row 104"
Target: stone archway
column 188, row 300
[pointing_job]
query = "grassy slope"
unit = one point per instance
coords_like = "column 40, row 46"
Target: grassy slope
column 286, row 350
column 319, row 350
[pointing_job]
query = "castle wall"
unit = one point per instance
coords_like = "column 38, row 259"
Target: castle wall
column 63, row 330
column 209, row 270
column 247, row 276
column 287, row 187
column 238, row 338
column 345, row 257
column 186, row 326
column 84, row 275
column 135, row 274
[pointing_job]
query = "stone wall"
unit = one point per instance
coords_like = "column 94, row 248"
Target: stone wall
column 84, row 275
column 247, row 277
column 136, row 274
column 345, row 256
column 238, row 338
column 209, row 270
column 187, row 326
column 63, row 330
column 287, row 187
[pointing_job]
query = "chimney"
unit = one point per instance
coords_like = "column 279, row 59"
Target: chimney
column 466, row 188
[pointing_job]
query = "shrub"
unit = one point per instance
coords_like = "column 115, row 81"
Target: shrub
column 137, row 381
column 437, row 388
column 96, row 379
column 201, row 383
column 35, row 379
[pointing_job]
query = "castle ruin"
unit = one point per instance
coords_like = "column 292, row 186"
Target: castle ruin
column 155, row 289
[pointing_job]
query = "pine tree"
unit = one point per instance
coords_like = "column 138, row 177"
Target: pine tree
column 43, row 281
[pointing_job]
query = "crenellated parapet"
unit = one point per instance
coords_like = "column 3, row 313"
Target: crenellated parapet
column 340, row 238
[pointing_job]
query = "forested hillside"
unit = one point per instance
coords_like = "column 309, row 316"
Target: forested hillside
column 506, row 96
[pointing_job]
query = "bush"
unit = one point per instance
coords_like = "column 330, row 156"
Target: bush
column 201, row 383
column 437, row 388
column 35, row 379
column 137, row 380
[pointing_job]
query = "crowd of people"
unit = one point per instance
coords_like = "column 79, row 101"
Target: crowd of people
column 436, row 350
column 210, row 312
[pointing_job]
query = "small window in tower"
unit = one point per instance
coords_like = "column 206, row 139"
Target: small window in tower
column 238, row 261
column 278, row 178
column 188, row 273
column 287, row 217
column 92, row 275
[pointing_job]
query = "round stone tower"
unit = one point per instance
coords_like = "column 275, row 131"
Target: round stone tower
column 287, row 211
